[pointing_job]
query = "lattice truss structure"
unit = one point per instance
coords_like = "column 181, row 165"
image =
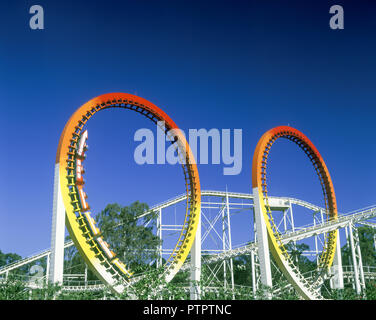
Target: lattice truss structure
column 227, row 232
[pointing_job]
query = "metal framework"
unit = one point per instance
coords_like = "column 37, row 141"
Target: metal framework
column 203, row 238
column 239, row 206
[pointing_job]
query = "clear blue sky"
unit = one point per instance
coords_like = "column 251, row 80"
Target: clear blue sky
column 250, row 65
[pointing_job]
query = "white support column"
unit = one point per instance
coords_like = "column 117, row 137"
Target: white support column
column 253, row 257
column 48, row 258
column 322, row 216
column 291, row 217
column 317, row 237
column 85, row 275
column 360, row 262
column 57, row 233
column 354, row 261
column 254, row 280
column 230, row 242
column 262, row 241
column 348, row 243
column 195, row 292
column 285, row 220
column 159, row 234
column 224, row 246
column 337, row 281
column 316, row 243
column 292, row 226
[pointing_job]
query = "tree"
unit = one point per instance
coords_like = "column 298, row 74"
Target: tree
column 242, row 266
column 7, row 258
column 133, row 242
column 296, row 253
column 13, row 289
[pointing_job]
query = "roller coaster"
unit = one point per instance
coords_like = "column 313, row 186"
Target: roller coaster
column 202, row 236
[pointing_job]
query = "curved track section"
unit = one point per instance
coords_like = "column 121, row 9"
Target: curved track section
column 81, row 226
column 259, row 184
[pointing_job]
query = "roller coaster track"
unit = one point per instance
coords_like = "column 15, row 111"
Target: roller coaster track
column 34, row 257
column 358, row 216
column 269, row 235
column 348, row 273
column 96, row 285
column 306, row 232
column 70, row 203
column 165, row 204
column 70, row 196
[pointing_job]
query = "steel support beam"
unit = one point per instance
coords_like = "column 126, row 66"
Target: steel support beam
column 336, row 282
column 262, row 242
column 228, row 244
column 254, row 280
column 48, row 257
column 195, row 292
column 356, row 259
column 57, row 233
column 159, row 234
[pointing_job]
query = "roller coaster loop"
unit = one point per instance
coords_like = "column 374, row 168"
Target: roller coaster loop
column 259, row 185
column 81, row 226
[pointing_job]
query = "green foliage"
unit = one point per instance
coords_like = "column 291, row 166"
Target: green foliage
column 134, row 243
column 153, row 286
column 13, row 289
column 7, row 258
column 296, row 253
column 371, row 290
column 84, row 295
column 243, row 270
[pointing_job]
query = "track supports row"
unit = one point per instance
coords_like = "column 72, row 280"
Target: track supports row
column 260, row 260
